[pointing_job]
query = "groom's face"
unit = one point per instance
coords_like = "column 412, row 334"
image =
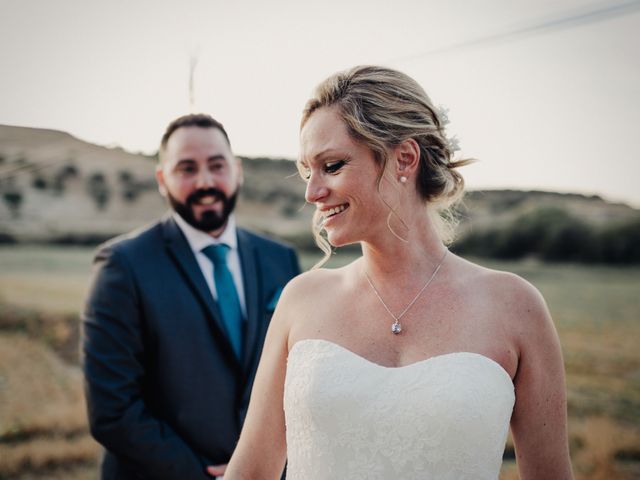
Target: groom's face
column 200, row 177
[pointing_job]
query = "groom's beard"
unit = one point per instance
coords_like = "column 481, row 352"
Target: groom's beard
column 210, row 221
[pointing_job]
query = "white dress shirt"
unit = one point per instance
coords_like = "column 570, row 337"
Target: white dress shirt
column 198, row 240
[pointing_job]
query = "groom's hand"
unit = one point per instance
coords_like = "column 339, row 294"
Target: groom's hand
column 216, row 470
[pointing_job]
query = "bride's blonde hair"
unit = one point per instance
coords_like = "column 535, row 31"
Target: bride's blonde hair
column 382, row 108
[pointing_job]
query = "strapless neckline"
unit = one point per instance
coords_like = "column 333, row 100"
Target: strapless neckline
column 445, row 417
column 427, row 360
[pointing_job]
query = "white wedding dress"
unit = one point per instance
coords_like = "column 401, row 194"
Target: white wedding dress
column 445, row 417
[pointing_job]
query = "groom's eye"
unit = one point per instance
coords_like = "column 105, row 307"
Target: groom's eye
column 216, row 166
column 186, row 168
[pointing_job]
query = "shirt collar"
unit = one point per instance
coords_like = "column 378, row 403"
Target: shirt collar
column 198, row 239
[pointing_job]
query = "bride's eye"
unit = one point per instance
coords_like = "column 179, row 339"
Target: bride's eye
column 333, row 167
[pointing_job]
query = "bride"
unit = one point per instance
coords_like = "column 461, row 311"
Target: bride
column 410, row 362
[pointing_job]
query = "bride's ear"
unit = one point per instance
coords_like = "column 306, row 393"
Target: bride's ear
column 407, row 159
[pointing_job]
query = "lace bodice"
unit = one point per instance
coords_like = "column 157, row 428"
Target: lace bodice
column 445, row 417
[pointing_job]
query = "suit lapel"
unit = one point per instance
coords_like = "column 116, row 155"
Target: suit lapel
column 180, row 251
column 250, row 275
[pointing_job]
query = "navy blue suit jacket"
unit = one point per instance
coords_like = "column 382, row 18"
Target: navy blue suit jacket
column 166, row 395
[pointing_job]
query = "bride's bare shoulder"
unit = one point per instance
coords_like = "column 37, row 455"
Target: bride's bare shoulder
column 315, row 282
column 504, row 294
column 305, row 298
column 314, row 287
column 493, row 282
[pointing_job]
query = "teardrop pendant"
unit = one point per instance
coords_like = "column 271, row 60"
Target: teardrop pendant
column 396, row 328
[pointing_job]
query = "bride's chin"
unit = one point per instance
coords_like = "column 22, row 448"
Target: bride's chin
column 336, row 241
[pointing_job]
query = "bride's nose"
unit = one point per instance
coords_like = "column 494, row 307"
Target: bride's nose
column 316, row 190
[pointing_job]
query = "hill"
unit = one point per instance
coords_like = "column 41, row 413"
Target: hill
column 57, row 188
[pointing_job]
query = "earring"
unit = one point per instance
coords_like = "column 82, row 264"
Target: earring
column 392, row 212
column 403, row 179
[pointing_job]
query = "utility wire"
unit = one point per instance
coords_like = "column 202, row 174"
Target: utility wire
column 596, row 13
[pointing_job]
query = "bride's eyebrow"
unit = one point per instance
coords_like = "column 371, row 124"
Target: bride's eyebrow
column 330, row 153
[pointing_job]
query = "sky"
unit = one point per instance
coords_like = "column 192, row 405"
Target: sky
column 544, row 94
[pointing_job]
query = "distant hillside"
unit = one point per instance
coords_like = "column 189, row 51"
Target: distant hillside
column 483, row 208
column 55, row 187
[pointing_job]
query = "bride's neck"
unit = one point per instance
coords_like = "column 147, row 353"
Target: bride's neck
column 394, row 258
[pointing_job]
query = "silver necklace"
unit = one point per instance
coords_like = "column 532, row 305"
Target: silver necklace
column 396, row 327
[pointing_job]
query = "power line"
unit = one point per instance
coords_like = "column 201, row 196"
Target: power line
column 576, row 18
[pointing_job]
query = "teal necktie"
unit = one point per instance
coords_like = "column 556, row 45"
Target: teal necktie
column 228, row 300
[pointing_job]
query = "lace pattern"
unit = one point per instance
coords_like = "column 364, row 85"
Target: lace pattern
column 445, row 417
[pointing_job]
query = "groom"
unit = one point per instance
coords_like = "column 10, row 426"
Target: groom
column 176, row 317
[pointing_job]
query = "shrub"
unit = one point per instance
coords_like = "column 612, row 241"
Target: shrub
column 6, row 239
column 13, row 199
column 39, row 182
column 554, row 234
column 99, row 190
column 69, row 171
column 620, row 243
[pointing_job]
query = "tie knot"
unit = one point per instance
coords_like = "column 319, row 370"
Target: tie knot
column 217, row 253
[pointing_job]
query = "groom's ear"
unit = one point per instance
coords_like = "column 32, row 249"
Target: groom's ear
column 240, row 170
column 160, row 179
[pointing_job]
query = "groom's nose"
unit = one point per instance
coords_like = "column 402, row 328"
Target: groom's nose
column 206, row 179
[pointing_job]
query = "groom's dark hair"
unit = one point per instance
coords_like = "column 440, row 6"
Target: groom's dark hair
column 201, row 120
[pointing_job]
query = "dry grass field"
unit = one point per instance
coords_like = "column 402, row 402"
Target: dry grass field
column 43, row 431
